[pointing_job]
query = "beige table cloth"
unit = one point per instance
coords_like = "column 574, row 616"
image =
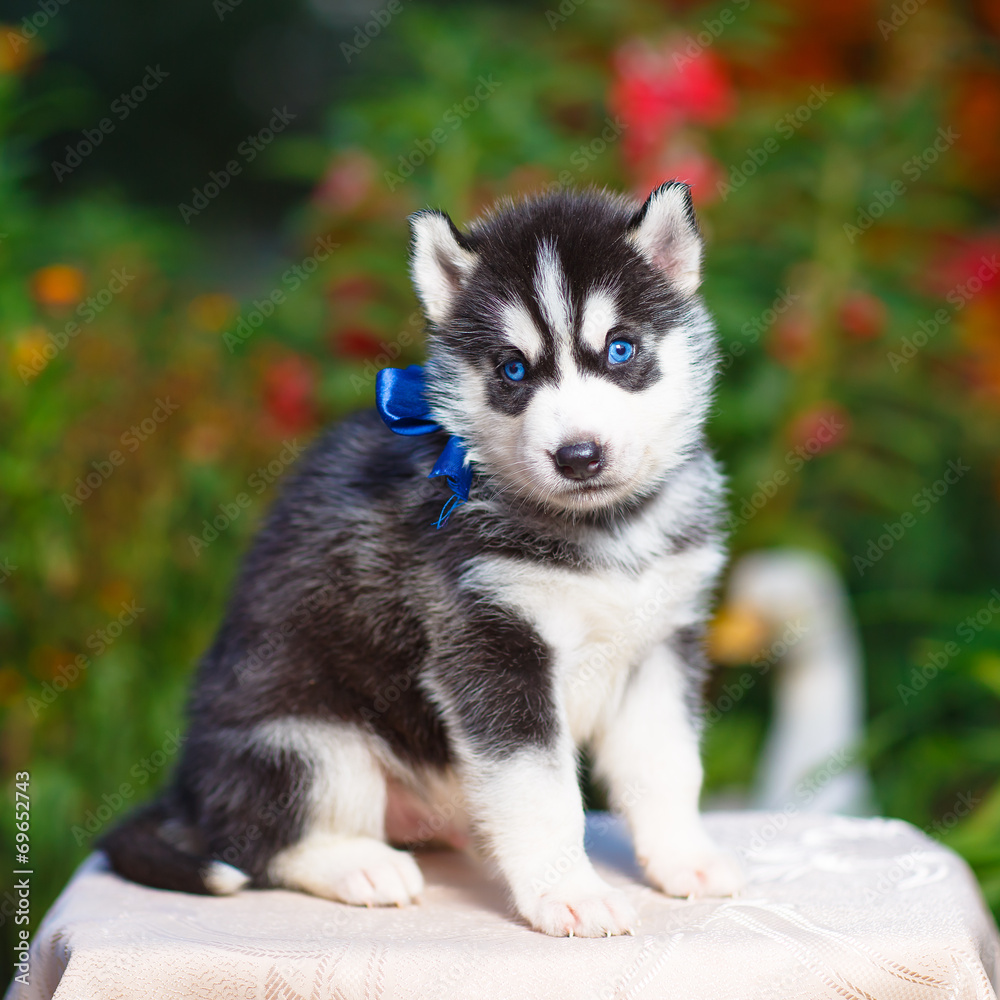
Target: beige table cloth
column 853, row 909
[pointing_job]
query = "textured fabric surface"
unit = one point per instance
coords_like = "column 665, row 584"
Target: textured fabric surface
column 854, row 909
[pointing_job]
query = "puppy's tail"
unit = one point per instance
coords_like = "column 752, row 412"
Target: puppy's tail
column 138, row 850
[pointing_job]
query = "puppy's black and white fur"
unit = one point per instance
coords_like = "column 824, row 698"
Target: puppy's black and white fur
column 377, row 680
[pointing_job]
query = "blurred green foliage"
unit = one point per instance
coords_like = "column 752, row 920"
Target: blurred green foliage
column 115, row 569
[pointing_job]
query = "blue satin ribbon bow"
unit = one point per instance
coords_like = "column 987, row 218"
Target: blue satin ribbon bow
column 399, row 396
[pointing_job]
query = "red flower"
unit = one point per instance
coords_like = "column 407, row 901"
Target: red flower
column 656, row 90
column 347, row 183
column 819, row 429
column 354, row 288
column 288, row 394
column 691, row 166
column 862, row 315
column 964, row 266
column 357, row 342
column 792, row 340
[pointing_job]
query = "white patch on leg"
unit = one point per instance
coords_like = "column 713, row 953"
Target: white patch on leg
column 357, row 870
column 346, row 792
column 531, row 818
column 649, row 757
column 342, row 853
column 224, row 880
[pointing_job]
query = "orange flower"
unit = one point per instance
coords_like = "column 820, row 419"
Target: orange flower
column 16, row 51
column 28, row 347
column 58, row 285
column 736, row 633
column 11, row 685
column 212, row 311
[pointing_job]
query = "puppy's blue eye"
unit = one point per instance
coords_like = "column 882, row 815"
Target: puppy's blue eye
column 514, row 370
column 620, row 351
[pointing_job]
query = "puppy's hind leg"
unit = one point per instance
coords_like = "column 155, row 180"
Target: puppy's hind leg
column 342, row 853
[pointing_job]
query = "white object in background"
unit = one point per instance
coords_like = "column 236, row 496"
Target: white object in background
column 810, row 755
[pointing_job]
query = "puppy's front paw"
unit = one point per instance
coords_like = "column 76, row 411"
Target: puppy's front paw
column 591, row 909
column 704, row 870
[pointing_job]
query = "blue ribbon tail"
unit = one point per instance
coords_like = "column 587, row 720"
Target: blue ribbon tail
column 454, row 465
column 446, row 511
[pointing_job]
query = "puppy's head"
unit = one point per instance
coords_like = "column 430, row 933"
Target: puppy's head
column 568, row 346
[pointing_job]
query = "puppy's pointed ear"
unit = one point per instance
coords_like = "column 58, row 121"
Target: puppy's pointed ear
column 666, row 234
column 440, row 261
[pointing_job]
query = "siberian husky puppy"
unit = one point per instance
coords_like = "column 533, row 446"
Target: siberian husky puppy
column 386, row 674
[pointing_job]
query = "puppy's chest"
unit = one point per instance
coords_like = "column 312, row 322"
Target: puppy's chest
column 598, row 625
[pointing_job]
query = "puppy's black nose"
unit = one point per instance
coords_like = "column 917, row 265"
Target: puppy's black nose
column 579, row 461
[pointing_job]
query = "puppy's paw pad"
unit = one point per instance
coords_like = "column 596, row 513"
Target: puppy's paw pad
column 601, row 913
column 705, row 872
